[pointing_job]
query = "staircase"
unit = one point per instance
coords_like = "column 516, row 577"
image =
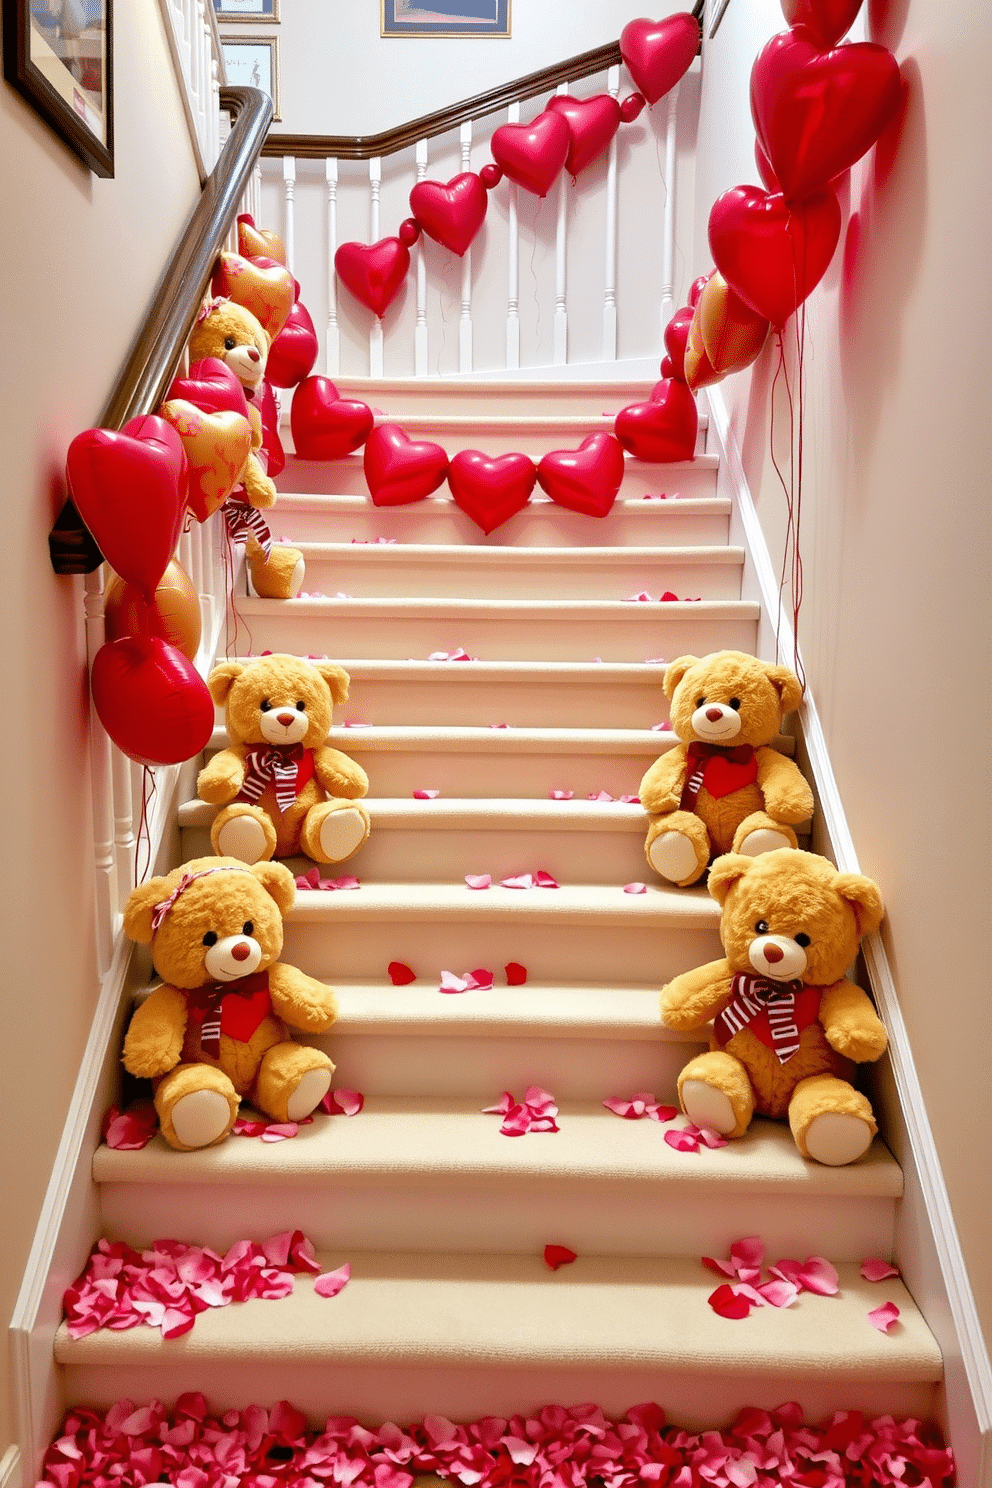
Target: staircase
column 451, row 1307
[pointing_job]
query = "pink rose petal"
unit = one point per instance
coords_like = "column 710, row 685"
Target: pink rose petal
column 873, row 1268
column 347, row 882
column 425, row 795
column 400, row 975
column 329, row 1283
column 478, row 880
column 279, row 1131
column 544, row 880
column 630, row 800
column 682, row 1140
column 355, row 723
column 561, row 795
column 452, row 983
column 709, row 1137
column 516, row 975
column 884, row 1317
column 819, row 1276
column 558, row 1255
column 601, row 795
column 722, row 1268
column 130, row 1130
column 641, row 597
column 664, row 727
column 727, row 1303
column 635, row 888
column 779, row 1293
column 502, row 1106
column 479, row 980
column 499, row 725
column 749, row 1252
column 518, row 881
column 343, row 1102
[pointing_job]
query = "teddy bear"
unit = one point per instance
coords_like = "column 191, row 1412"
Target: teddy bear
column 721, row 789
column 786, row 1026
column 283, row 788
column 226, row 330
column 212, row 1034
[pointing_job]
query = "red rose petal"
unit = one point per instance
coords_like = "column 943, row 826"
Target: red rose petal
column 400, row 975
column 558, row 1255
column 343, row 1102
column 727, row 1303
column 516, row 975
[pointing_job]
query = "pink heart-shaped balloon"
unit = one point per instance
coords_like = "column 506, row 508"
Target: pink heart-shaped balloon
column 658, row 53
column 817, row 112
column 771, row 253
column 584, row 480
column 130, row 489
column 264, row 287
column 151, row 700
column 373, row 272
column 533, row 154
column 399, row 469
column 676, row 336
column 451, row 214
column 829, row 20
column 326, row 426
column 491, row 489
column 663, row 429
column 294, row 351
column 592, row 123
column 268, row 409
column 212, row 386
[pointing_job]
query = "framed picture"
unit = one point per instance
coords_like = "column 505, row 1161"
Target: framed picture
column 440, row 18
column 253, row 62
column 246, row 10
column 59, row 55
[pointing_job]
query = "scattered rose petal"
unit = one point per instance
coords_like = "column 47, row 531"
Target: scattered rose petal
column 641, row 598
column 347, row 882
column 400, row 975
column 599, row 796
column 668, row 595
column 535, row 1113
column 425, row 795
column 130, row 1130
column 452, row 983
column 561, row 795
column 499, row 725
column 708, row 1137
column 355, row 723
column 749, row 1253
column 516, row 975
column 457, row 655
column 342, row 1102
column 655, row 661
column 479, row 980
column 641, row 1103
column 727, row 1302
column 478, row 880
column 329, row 1283
column 544, row 880
column 558, row 1255
column 661, row 728
column 280, row 1131
column 884, row 1317
column 635, row 888
column 518, row 881
column 875, row 1269
column 630, row 800
column 682, row 1139
column 779, row 1293
column 819, row 1276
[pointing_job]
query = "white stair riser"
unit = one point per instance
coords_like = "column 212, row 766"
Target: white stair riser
column 375, row 1392
column 541, row 524
column 345, row 946
column 406, row 397
column 393, row 572
column 532, row 434
column 503, row 1217
column 346, row 476
column 450, row 695
column 632, row 632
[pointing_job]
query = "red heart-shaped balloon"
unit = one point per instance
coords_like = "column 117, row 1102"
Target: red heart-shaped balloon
column 533, row 154
column 399, row 469
column 663, row 429
column 130, row 488
column 829, row 20
column 326, row 426
column 294, row 351
column 490, row 489
column 658, row 53
column 817, row 112
column 584, row 480
column 211, row 386
column 265, row 402
column 451, row 214
column 771, row 253
column 592, row 123
column 373, row 272
column 151, row 700
column 676, row 336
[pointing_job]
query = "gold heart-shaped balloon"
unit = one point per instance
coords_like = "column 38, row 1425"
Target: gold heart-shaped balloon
column 732, row 333
column 268, row 292
column 259, row 242
column 217, row 447
column 175, row 614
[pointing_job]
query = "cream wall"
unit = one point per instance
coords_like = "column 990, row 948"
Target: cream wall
column 896, row 530
column 80, row 260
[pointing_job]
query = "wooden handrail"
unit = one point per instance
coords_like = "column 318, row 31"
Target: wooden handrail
column 151, row 363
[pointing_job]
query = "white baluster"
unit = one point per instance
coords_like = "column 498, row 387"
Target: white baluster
column 610, row 247
column 465, row 322
column 256, row 194
column 375, row 333
column 512, row 263
column 289, row 185
column 214, row 116
column 420, row 344
column 333, row 329
column 124, row 839
column 561, row 314
column 668, row 229
column 105, row 875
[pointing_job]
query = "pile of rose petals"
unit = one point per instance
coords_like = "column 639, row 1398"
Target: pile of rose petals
column 642, row 1103
column 557, row 1447
column 168, row 1284
column 130, row 1130
column 787, row 1279
column 312, row 879
column 535, row 1113
column 689, row 1138
column 342, row 1103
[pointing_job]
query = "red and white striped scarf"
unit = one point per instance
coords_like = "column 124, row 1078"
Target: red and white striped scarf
column 207, row 1002
column 279, row 763
column 243, row 520
column 751, row 995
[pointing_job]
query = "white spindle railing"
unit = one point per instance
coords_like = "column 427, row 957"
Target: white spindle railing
column 610, row 245
column 191, row 28
column 289, row 188
column 333, row 329
column 668, row 227
column 513, row 262
column 420, row 341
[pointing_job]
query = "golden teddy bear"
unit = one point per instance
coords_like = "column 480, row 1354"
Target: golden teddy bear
column 213, row 1033
column 283, row 788
column 231, row 333
column 787, row 1027
column 721, row 789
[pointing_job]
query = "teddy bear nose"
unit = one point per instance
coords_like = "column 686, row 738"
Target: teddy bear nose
column 242, row 951
column 772, row 952
column 285, row 719
column 253, row 355
column 714, row 714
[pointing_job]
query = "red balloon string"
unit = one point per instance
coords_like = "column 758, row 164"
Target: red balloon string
column 231, row 637
column 148, row 789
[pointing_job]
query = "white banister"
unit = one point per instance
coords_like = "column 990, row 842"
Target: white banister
column 668, row 228
column 465, row 321
column 610, row 243
column 512, row 263
column 420, row 337
column 124, row 841
column 561, row 239
column 289, row 187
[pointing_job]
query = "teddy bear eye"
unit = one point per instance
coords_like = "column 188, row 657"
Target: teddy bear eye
column 210, row 939
column 802, row 939
column 229, row 343
column 735, row 703
column 301, row 706
column 265, row 706
column 762, row 927
column 248, row 927
column 700, row 702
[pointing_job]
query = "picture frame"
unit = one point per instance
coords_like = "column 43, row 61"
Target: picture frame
column 253, row 61
column 259, row 12
column 59, row 55
column 445, row 18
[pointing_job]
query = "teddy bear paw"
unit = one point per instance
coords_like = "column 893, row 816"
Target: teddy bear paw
column 333, row 832
column 837, row 1138
column 708, row 1107
column 200, row 1118
column 763, row 841
column 309, row 1093
column 244, row 838
column 674, row 857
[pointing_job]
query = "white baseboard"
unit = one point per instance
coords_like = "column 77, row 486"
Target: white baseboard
column 930, row 1255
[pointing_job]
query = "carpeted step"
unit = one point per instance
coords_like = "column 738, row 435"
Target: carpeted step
column 488, row 1335
column 398, row 397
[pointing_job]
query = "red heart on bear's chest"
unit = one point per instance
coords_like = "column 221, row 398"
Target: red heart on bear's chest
column 722, row 776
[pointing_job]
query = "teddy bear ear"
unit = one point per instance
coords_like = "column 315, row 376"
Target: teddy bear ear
column 222, row 677
column 139, row 908
column 675, row 671
column 337, row 680
column 863, row 895
column 725, row 872
column 787, row 685
column 277, row 881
